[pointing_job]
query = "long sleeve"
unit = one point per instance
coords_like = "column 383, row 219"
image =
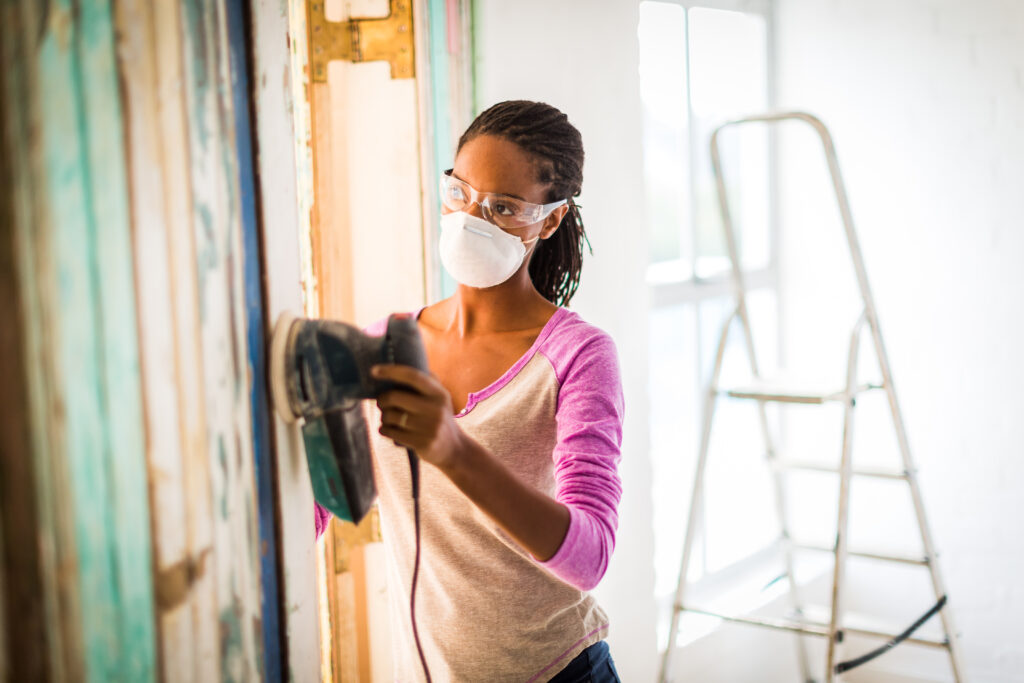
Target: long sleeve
column 589, row 419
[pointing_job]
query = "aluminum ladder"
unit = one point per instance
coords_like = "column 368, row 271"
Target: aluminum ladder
column 762, row 393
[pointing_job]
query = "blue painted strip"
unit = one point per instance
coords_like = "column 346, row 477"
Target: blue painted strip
column 256, row 341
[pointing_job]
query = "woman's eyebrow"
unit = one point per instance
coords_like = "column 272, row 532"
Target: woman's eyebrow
column 503, row 194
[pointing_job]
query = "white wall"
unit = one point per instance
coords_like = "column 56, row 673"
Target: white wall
column 925, row 100
column 582, row 58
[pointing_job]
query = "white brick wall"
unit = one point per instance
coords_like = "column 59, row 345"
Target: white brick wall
column 925, row 99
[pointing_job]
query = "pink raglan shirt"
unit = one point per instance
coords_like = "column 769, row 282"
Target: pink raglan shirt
column 555, row 418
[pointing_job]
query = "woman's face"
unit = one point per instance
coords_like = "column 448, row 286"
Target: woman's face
column 493, row 164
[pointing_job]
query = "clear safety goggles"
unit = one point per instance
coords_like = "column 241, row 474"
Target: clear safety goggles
column 500, row 209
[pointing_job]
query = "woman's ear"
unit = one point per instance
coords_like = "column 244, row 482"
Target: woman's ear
column 553, row 220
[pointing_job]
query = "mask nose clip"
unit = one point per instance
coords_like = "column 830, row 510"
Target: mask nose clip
column 478, row 231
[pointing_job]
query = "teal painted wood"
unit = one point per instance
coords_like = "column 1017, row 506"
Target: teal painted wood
column 119, row 355
column 219, row 260
column 94, row 339
column 440, row 91
column 77, row 340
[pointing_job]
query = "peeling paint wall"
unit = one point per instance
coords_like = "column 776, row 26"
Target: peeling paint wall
column 133, row 280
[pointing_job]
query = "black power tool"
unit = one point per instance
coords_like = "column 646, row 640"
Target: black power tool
column 320, row 373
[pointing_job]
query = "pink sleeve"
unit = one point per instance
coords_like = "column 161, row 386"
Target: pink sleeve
column 589, row 431
column 322, row 516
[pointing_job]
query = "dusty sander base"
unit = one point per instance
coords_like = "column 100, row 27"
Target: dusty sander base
column 337, row 443
column 279, row 366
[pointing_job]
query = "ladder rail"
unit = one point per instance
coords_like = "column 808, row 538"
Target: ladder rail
column 842, row 526
column 695, row 498
column 744, row 315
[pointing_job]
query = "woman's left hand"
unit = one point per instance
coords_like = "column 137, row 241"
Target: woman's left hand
column 419, row 415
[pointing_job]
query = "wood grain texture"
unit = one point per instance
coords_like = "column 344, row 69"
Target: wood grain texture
column 281, row 164
column 216, row 225
column 97, row 429
column 22, row 28
column 189, row 367
column 117, row 332
column 22, row 648
column 149, row 62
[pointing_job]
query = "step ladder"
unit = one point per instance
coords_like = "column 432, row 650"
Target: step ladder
column 763, row 393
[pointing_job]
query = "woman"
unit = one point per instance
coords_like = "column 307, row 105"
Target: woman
column 519, row 422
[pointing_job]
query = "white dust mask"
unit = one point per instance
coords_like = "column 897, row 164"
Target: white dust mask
column 478, row 253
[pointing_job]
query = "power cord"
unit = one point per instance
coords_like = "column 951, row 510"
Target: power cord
column 414, row 475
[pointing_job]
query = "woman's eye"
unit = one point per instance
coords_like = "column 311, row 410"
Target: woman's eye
column 505, row 208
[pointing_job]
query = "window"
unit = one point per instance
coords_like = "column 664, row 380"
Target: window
column 702, row 63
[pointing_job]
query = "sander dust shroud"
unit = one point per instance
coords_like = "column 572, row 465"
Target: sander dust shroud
column 320, row 374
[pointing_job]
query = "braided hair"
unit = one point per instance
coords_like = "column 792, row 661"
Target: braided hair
column 557, row 148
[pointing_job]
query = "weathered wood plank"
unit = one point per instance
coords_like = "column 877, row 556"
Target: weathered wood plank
column 117, row 332
column 219, row 256
column 93, row 326
column 150, row 75
column 196, row 495
column 37, row 278
column 22, row 649
column 282, row 164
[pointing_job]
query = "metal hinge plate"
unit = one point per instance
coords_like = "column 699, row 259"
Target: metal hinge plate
column 389, row 38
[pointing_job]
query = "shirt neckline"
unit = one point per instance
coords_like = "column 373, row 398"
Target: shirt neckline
column 474, row 397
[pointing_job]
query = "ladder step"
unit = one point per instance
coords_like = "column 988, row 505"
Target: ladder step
column 812, row 628
column 784, row 392
column 857, row 471
column 883, row 557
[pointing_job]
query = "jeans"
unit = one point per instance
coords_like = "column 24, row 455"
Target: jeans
column 593, row 665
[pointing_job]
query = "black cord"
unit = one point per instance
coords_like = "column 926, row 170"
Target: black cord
column 414, row 474
column 843, row 667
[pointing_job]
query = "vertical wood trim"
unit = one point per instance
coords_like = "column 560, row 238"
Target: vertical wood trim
column 331, row 229
column 149, row 61
column 216, row 226
column 283, row 183
column 22, row 649
column 32, row 236
column 196, row 494
column 256, row 337
column 429, row 163
column 117, row 333
column 77, row 439
column 97, row 426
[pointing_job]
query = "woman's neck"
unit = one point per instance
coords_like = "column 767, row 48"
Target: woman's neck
column 506, row 308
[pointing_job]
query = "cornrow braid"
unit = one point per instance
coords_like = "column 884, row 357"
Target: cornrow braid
column 557, row 148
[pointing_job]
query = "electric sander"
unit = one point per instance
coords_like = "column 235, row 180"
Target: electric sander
column 320, row 374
